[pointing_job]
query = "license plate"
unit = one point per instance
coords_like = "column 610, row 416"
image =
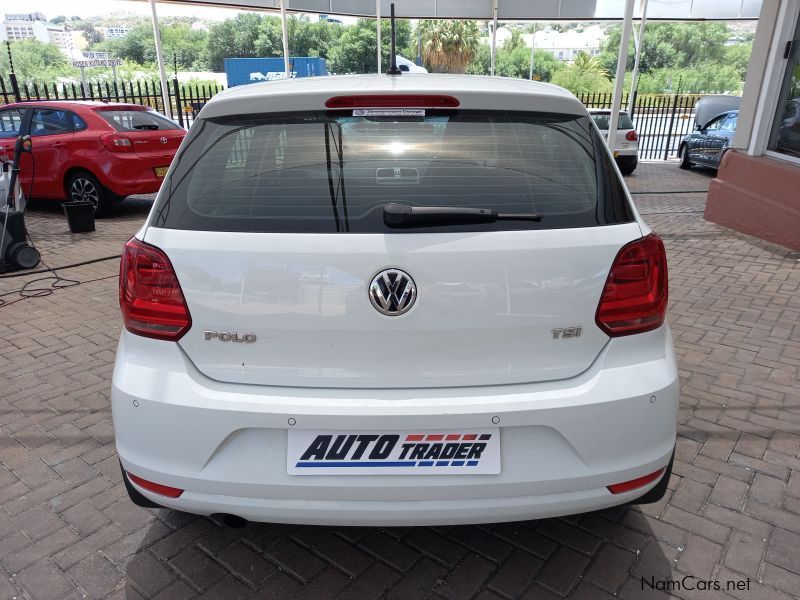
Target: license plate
column 413, row 452
column 161, row 171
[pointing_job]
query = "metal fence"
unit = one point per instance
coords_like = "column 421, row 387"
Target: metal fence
column 186, row 99
column 661, row 120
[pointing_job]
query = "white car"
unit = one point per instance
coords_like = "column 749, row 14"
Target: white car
column 394, row 300
column 626, row 144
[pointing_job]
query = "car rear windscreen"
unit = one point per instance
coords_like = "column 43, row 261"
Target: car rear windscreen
column 602, row 121
column 334, row 172
column 137, row 120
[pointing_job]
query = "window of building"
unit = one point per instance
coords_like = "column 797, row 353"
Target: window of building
column 785, row 135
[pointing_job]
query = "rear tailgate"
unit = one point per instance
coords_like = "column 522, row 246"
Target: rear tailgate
column 487, row 309
column 152, row 135
column 274, row 226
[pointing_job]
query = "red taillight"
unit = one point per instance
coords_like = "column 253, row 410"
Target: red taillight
column 631, row 136
column 393, row 101
column 149, row 294
column 627, row 486
column 156, row 488
column 634, row 299
column 117, row 143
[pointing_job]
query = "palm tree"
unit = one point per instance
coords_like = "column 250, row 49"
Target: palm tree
column 584, row 63
column 449, row 46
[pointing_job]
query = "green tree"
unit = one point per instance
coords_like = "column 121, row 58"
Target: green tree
column 481, row 62
column 37, row 62
column 702, row 79
column 357, row 46
column 585, row 75
column 177, row 40
column 586, row 63
column 449, row 46
column 517, row 63
column 676, row 45
column 312, row 38
column 738, row 57
column 579, row 82
column 233, row 38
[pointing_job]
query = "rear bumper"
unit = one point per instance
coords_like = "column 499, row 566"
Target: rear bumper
column 131, row 174
column 562, row 442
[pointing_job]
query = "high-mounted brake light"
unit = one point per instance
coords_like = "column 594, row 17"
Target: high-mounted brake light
column 156, row 488
column 634, row 299
column 393, row 101
column 631, row 136
column 150, row 296
column 627, row 486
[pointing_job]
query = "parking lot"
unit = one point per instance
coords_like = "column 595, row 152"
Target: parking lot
column 732, row 515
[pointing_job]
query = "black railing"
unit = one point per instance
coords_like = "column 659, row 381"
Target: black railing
column 185, row 99
column 661, row 120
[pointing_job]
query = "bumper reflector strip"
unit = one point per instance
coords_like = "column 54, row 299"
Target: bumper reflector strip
column 627, row 486
column 156, row 488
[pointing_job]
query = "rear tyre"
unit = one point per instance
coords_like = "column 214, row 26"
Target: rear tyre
column 657, row 493
column 84, row 187
column 627, row 164
column 136, row 497
column 683, row 154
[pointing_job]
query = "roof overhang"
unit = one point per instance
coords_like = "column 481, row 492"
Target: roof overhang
column 519, row 10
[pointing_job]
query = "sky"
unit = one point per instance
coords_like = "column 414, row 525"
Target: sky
column 93, row 8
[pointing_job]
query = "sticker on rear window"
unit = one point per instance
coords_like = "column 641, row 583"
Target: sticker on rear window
column 389, row 112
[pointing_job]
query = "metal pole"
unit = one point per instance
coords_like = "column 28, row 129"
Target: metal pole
column 378, row 26
column 160, row 59
column 533, row 44
column 494, row 34
column 619, row 78
column 635, row 74
column 419, row 43
column 285, row 35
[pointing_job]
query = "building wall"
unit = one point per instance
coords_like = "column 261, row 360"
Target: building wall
column 757, row 190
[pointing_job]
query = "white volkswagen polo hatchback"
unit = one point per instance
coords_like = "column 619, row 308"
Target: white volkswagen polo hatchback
column 377, row 300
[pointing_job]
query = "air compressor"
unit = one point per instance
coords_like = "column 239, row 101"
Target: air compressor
column 15, row 252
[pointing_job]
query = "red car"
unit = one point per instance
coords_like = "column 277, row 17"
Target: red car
column 97, row 151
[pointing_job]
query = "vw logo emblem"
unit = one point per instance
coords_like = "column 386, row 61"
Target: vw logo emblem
column 392, row 292
column 163, row 140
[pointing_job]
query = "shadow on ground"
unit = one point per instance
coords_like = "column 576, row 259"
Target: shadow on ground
column 588, row 556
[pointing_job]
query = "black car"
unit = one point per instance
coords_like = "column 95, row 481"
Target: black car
column 708, row 143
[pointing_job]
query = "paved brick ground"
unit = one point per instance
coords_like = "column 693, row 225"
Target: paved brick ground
column 67, row 529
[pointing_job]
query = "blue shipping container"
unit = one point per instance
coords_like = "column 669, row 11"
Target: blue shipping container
column 241, row 71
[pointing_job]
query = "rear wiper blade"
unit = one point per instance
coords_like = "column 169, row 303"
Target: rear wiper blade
column 147, row 127
column 405, row 215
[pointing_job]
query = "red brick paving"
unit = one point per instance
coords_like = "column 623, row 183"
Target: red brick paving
column 67, row 529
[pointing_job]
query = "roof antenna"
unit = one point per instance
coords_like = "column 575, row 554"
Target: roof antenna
column 393, row 69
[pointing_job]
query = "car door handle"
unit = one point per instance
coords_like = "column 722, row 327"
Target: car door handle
column 59, row 144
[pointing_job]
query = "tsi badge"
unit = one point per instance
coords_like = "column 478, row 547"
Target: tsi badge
column 230, row 336
column 566, row 332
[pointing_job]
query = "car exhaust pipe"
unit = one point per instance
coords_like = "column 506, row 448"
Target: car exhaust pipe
column 233, row 521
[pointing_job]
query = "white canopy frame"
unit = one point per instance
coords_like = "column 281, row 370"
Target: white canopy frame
column 491, row 10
